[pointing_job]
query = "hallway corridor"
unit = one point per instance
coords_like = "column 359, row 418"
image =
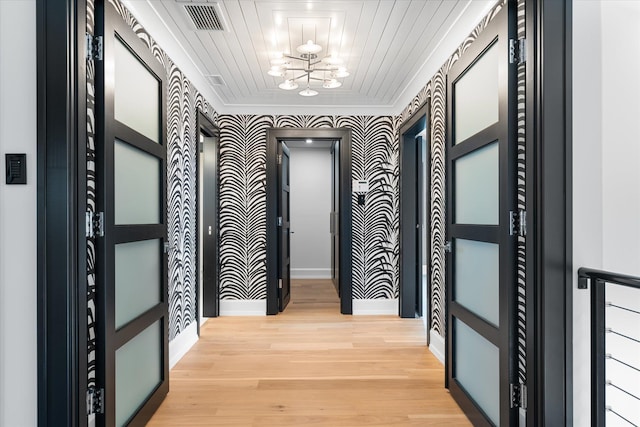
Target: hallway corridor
column 309, row 366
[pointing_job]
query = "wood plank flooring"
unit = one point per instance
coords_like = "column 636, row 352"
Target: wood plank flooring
column 309, row 366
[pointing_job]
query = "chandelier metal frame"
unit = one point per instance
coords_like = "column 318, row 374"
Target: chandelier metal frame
column 309, row 58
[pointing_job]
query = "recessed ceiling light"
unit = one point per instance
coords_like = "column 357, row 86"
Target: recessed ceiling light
column 308, row 141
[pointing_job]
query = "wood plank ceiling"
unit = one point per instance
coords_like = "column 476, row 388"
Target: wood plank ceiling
column 383, row 44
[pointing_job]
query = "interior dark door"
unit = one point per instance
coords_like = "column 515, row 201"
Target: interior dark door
column 412, row 224
column 132, row 344
column 420, row 196
column 335, row 215
column 284, row 280
column 208, row 236
column 481, row 183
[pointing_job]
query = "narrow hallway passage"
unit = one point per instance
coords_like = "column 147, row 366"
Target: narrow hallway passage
column 309, row 366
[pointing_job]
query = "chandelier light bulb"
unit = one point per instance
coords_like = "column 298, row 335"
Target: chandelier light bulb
column 278, row 61
column 332, row 60
column 340, row 73
column 308, row 92
column 276, row 72
column 331, row 84
column 309, row 47
column 288, row 85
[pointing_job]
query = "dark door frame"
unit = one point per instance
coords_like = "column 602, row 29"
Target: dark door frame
column 273, row 136
column 410, row 284
column 210, row 211
column 549, row 281
column 61, row 205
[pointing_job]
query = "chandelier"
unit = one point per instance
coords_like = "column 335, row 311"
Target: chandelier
column 307, row 68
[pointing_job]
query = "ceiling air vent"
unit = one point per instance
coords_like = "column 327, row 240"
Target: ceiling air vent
column 206, row 16
column 216, row 79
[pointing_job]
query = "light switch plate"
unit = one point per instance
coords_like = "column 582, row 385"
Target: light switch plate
column 16, row 166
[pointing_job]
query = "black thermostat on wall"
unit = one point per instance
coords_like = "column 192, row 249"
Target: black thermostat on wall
column 16, row 168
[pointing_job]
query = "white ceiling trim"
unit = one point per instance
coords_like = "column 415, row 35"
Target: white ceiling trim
column 151, row 20
column 320, row 110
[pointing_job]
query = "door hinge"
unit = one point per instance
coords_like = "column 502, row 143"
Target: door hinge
column 279, row 283
column 517, row 51
column 279, row 221
column 201, row 147
column 95, row 401
column 518, row 393
column 447, row 246
column 94, row 47
column 168, row 248
column 94, row 224
column 518, row 223
column 279, row 159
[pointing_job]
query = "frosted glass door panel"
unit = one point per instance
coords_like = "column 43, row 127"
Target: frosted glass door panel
column 138, row 280
column 476, row 97
column 476, row 278
column 138, row 371
column 137, row 94
column 476, row 187
column 137, row 186
column 476, row 363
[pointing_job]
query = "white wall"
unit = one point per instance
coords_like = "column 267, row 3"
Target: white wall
column 606, row 158
column 18, row 215
column 310, row 207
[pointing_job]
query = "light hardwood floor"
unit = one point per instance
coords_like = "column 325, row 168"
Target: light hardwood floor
column 309, row 366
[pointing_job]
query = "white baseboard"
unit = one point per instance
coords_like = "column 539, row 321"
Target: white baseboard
column 311, row 273
column 181, row 344
column 256, row 307
column 375, row 306
column 436, row 345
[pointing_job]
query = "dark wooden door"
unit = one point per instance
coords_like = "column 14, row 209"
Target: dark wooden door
column 284, row 280
column 335, row 215
column 132, row 344
column 420, row 196
column 481, row 181
column 412, row 221
column 209, row 207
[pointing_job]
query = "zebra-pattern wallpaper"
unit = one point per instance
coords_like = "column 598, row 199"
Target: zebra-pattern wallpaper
column 243, row 146
column 521, row 167
column 91, row 207
column 182, row 102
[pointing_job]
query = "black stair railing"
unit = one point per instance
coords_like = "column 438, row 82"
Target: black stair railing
column 615, row 346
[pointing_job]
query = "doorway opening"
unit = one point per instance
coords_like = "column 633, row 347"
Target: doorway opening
column 415, row 230
column 336, row 236
column 208, row 208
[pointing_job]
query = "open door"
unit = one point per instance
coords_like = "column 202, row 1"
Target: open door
column 334, row 219
column 132, row 326
column 208, row 214
column 414, row 224
column 277, row 207
column 284, row 240
column 481, row 184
